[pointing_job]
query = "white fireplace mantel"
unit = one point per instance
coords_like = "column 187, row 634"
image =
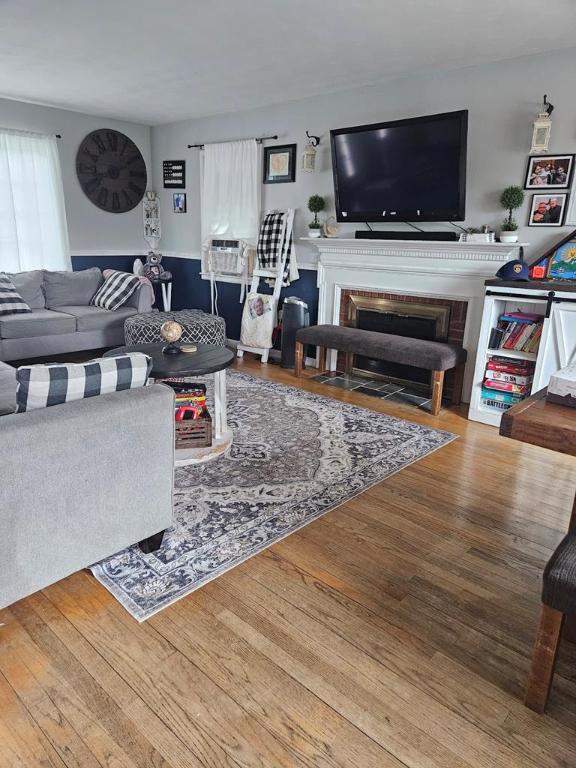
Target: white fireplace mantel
column 442, row 269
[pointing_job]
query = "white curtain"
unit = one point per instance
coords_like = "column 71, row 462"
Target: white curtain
column 33, row 230
column 231, row 191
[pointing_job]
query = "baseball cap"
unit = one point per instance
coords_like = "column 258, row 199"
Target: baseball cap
column 514, row 270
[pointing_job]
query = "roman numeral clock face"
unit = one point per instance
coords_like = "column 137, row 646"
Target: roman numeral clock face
column 111, row 171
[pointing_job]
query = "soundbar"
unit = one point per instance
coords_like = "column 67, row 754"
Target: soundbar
column 393, row 234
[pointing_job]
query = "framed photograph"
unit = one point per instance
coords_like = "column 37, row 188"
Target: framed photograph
column 562, row 264
column 549, row 172
column 548, row 210
column 280, row 164
column 179, row 202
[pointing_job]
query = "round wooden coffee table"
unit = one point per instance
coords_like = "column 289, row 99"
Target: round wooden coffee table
column 208, row 358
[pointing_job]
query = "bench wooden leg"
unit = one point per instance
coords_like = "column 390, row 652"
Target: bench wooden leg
column 321, row 359
column 544, row 659
column 349, row 362
column 437, row 387
column 458, row 383
column 299, row 359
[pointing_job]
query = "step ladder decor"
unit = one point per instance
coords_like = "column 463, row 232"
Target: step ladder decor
column 276, row 264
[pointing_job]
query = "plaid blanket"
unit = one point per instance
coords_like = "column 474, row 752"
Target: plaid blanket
column 272, row 245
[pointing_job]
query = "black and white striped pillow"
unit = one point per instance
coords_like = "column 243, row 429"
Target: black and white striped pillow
column 11, row 303
column 115, row 290
column 40, row 386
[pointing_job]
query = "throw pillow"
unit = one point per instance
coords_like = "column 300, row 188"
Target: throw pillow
column 115, row 290
column 11, row 303
column 40, row 386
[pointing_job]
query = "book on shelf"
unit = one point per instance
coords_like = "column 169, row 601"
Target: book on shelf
column 518, row 331
column 502, row 397
column 506, row 386
column 514, row 377
column 506, row 381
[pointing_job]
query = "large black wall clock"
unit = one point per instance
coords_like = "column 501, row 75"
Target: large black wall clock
column 111, row 170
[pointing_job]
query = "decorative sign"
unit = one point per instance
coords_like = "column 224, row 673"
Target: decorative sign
column 174, row 174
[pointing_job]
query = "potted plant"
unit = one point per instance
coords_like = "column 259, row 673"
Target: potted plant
column 511, row 199
column 315, row 205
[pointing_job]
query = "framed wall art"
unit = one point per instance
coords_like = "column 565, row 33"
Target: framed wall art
column 548, row 210
column 549, row 172
column 280, row 164
column 179, row 202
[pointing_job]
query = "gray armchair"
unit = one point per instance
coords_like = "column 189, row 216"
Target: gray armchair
column 81, row 481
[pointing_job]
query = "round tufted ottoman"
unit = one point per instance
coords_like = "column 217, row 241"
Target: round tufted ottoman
column 197, row 327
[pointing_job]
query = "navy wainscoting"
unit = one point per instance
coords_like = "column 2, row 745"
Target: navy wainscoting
column 189, row 291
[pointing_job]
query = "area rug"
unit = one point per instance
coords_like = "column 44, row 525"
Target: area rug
column 295, row 456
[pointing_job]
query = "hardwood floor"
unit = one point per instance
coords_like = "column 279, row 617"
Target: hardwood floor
column 394, row 631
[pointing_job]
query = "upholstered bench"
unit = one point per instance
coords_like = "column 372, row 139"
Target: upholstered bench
column 197, row 327
column 434, row 356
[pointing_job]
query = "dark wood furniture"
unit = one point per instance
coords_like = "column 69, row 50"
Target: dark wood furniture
column 538, row 422
column 208, row 358
column 434, row 356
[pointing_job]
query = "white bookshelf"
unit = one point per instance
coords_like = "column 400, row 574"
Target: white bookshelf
column 557, row 345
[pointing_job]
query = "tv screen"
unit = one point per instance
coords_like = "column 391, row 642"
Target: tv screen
column 406, row 170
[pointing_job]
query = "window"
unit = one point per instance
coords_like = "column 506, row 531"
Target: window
column 33, row 231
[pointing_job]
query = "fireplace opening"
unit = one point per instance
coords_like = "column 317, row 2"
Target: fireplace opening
column 401, row 318
column 399, row 325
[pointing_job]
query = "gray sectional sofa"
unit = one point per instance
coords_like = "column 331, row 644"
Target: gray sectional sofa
column 80, row 481
column 62, row 319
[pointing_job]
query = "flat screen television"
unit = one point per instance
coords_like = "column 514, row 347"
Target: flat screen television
column 405, row 170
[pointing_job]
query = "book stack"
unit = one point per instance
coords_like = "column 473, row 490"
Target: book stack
column 519, row 331
column 506, row 382
column 188, row 393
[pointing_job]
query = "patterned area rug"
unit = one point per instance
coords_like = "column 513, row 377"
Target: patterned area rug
column 295, row 457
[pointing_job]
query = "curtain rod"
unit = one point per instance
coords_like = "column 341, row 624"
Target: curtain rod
column 19, row 130
column 257, row 139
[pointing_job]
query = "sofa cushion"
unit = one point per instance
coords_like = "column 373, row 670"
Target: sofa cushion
column 29, row 286
column 71, row 288
column 11, row 303
column 116, row 289
column 39, row 322
column 41, row 386
column 7, row 389
column 97, row 319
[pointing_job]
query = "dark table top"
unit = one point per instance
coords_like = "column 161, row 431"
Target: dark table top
column 208, row 358
column 539, row 422
column 568, row 286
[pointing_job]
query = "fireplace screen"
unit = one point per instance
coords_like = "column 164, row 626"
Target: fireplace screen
column 401, row 318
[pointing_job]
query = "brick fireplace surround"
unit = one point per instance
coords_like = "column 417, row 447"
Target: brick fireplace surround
column 456, row 326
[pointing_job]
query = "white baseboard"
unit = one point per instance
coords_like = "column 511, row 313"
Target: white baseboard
column 274, row 354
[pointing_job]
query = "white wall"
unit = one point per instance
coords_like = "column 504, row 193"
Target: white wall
column 90, row 229
column 503, row 99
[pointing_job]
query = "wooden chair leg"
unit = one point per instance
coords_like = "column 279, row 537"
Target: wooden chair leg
column 458, row 383
column 299, row 359
column 437, row 387
column 321, row 359
column 544, row 659
column 349, row 364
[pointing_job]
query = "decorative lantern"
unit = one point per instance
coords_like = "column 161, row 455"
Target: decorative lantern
column 542, row 129
column 309, row 154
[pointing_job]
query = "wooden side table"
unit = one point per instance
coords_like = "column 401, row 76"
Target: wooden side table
column 551, row 426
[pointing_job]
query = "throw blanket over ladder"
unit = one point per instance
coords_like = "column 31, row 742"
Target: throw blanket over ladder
column 275, row 263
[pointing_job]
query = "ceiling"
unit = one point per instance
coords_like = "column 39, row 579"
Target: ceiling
column 155, row 62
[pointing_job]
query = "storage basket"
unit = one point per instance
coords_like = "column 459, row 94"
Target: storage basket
column 194, row 433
